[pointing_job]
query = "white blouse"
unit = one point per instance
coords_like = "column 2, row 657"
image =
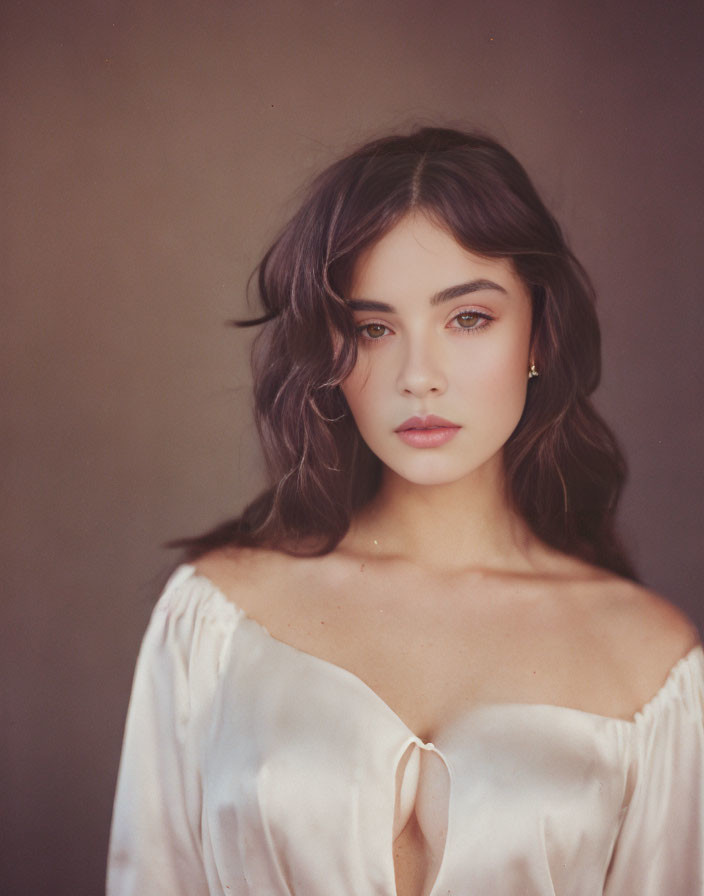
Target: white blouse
column 252, row 767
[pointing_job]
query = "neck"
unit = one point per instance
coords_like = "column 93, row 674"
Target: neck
column 453, row 526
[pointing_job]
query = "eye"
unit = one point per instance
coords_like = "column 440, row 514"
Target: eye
column 372, row 331
column 471, row 320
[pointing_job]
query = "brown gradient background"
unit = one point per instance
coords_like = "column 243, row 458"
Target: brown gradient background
column 151, row 149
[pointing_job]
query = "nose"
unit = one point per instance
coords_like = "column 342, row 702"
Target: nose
column 422, row 368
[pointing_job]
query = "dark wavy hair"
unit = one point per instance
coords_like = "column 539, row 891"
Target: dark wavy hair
column 564, row 468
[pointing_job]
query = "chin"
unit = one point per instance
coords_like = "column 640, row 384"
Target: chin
column 434, row 473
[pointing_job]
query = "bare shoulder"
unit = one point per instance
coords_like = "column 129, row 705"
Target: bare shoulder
column 660, row 627
column 254, row 579
column 234, row 567
column 280, row 591
column 647, row 632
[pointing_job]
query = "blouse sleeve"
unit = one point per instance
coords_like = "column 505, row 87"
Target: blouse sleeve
column 155, row 841
column 660, row 847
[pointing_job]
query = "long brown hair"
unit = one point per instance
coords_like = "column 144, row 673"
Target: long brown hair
column 564, row 468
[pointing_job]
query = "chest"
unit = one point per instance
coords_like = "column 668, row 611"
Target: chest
column 433, row 651
column 311, row 793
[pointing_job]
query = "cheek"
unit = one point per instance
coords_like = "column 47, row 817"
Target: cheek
column 496, row 378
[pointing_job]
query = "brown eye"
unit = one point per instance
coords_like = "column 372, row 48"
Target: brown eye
column 467, row 319
column 372, row 331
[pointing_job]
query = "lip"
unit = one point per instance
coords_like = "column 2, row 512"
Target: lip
column 427, row 432
column 426, row 423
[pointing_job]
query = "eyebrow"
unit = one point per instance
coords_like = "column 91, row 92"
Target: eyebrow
column 445, row 295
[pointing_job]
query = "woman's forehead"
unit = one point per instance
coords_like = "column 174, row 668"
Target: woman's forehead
column 418, row 253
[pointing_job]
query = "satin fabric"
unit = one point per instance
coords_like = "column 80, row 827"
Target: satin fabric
column 251, row 767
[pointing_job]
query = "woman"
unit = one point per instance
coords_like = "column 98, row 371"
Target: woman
column 421, row 661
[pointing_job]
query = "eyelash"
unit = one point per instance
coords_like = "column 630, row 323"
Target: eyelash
column 488, row 319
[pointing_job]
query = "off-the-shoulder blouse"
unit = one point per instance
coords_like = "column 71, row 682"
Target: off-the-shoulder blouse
column 252, row 767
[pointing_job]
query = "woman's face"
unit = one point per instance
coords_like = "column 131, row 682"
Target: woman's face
column 442, row 333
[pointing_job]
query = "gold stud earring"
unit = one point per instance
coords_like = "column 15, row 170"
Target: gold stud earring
column 532, row 370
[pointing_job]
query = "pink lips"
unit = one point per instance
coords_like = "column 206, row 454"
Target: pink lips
column 427, row 432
